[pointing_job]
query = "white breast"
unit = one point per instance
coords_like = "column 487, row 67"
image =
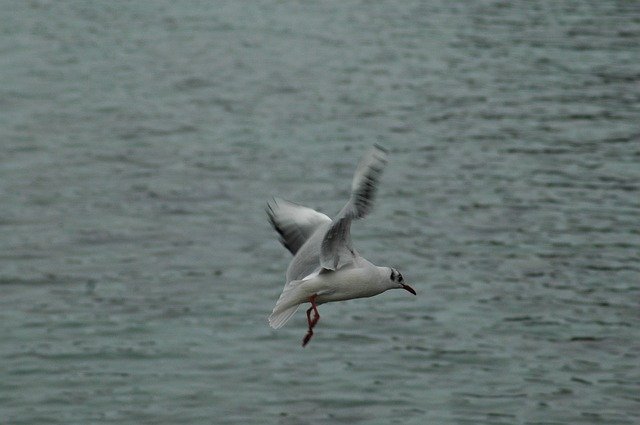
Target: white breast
column 346, row 284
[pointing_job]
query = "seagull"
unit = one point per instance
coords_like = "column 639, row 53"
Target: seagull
column 325, row 265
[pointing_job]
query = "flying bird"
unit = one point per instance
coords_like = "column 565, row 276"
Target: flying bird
column 325, row 265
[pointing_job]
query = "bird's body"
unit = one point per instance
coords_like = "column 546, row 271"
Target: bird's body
column 325, row 267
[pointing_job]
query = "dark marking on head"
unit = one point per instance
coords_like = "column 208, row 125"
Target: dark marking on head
column 396, row 276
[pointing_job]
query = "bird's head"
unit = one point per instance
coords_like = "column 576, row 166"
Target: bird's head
column 397, row 281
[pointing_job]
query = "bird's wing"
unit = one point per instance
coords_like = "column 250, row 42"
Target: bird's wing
column 336, row 249
column 307, row 259
column 293, row 222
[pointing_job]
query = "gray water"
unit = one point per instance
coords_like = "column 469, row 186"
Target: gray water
column 141, row 140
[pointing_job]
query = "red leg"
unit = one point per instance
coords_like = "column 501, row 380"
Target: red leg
column 311, row 322
column 316, row 314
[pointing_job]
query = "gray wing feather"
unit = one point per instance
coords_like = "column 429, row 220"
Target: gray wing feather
column 294, row 223
column 336, row 249
column 307, row 259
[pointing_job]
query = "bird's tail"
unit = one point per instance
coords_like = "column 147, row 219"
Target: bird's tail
column 278, row 319
column 285, row 307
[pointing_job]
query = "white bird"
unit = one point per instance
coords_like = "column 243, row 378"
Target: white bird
column 325, row 267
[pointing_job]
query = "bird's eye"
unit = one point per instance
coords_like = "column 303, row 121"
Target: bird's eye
column 399, row 277
column 393, row 275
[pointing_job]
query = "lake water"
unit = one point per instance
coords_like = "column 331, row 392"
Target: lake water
column 141, row 140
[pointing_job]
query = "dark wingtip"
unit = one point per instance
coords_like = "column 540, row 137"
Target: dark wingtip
column 380, row 147
column 274, row 224
column 270, row 212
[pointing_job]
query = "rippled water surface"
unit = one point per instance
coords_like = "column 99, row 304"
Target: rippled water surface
column 141, row 140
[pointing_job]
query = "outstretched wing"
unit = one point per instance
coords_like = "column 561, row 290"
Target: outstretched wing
column 336, row 249
column 293, row 222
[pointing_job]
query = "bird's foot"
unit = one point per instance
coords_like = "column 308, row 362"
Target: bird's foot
column 310, row 321
column 307, row 337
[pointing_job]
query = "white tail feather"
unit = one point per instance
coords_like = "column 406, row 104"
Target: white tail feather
column 286, row 305
column 277, row 320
